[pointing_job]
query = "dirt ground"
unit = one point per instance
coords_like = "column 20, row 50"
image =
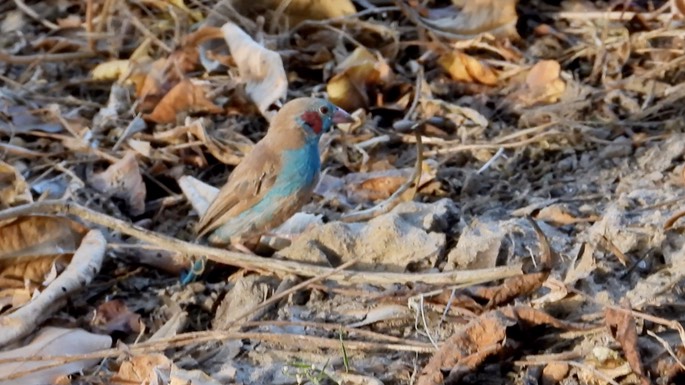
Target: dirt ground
column 504, row 210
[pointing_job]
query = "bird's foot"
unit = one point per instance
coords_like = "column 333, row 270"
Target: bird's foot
column 197, row 268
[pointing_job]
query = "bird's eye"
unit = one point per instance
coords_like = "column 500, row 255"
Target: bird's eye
column 323, row 110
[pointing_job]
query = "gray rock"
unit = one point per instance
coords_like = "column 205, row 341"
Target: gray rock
column 411, row 234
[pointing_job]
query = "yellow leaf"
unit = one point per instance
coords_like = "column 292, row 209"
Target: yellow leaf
column 465, row 68
column 111, row 70
column 185, row 96
column 348, row 89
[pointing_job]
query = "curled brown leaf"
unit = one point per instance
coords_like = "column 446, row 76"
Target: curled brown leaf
column 123, row 180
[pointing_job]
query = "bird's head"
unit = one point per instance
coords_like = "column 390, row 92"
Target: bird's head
column 313, row 115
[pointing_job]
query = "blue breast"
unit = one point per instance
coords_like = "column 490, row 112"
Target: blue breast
column 299, row 168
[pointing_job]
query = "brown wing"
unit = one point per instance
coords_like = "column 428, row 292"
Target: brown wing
column 247, row 185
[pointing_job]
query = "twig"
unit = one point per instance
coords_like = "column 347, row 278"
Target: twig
column 422, row 312
column 471, row 147
column 611, row 16
column 667, row 347
column 52, row 207
column 337, row 327
column 144, row 30
column 89, row 24
column 394, row 200
column 32, row 14
column 278, row 13
column 417, row 95
column 491, row 161
column 42, row 57
column 300, row 341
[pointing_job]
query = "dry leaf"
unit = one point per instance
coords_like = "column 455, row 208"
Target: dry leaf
column 528, row 317
column 52, row 341
column 33, row 237
column 467, row 349
column 141, row 369
column 199, row 194
column 361, row 69
column 123, row 180
column 21, row 119
column 114, row 315
column 554, row 372
column 465, row 68
column 141, row 147
column 111, row 70
column 158, row 369
column 372, row 186
column 556, row 215
column 543, row 85
column 679, row 5
column 624, row 330
column 229, row 151
column 583, row 266
column 13, row 297
column 185, row 96
column 36, row 270
column 483, row 337
column 13, row 188
column 510, row 289
column 153, row 79
column 84, row 265
column 261, row 69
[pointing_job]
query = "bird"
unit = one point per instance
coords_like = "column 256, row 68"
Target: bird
column 276, row 178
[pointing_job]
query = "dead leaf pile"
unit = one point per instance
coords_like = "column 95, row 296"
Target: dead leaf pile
column 504, row 209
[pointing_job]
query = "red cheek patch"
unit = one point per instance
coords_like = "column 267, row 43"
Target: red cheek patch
column 313, row 119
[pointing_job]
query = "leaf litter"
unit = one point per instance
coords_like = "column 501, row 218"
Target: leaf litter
column 538, row 237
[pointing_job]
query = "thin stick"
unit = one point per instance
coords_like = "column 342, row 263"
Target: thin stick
column 394, row 200
column 89, row 24
column 253, row 262
column 300, row 341
column 42, row 57
column 471, row 147
column 32, row 14
column 667, row 347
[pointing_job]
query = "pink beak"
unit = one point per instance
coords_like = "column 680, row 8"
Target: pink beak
column 341, row 116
